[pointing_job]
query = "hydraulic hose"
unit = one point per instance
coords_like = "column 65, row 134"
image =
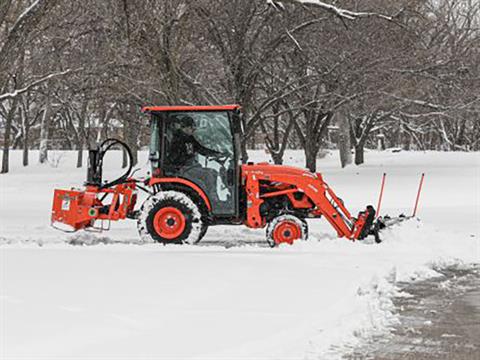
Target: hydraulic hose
column 103, row 149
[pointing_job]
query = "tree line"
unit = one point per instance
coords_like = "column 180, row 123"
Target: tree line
column 309, row 74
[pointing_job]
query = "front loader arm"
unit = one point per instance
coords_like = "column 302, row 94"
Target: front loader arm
column 324, row 201
column 357, row 228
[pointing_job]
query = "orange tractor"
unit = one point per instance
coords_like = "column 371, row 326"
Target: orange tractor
column 197, row 180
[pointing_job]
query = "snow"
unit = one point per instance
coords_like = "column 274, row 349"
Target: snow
column 123, row 299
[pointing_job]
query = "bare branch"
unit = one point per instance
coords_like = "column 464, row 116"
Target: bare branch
column 23, row 25
column 433, row 106
column 294, row 41
column 340, row 12
column 4, row 7
column 17, row 92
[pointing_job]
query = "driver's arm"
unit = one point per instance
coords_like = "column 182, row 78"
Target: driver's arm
column 204, row 150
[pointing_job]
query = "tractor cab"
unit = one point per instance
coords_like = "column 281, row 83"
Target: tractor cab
column 199, row 144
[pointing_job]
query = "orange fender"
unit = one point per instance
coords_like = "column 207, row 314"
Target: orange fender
column 185, row 182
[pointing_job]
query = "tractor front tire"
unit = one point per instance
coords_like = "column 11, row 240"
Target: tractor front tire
column 286, row 229
column 171, row 217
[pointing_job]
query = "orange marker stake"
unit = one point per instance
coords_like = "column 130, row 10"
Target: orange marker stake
column 418, row 195
column 381, row 194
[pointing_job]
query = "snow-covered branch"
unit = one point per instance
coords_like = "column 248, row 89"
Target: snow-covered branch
column 335, row 10
column 433, row 106
column 23, row 25
column 17, row 92
column 419, row 102
column 424, row 115
column 29, row 10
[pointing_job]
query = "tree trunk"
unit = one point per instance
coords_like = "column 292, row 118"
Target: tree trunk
column 315, row 130
column 26, row 138
column 359, row 154
column 25, row 146
column 277, row 144
column 44, row 127
column 310, row 149
column 81, row 134
column 101, row 124
column 10, row 115
column 460, row 136
column 131, row 131
column 6, row 139
column 80, row 155
column 407, row 142
column 344, row 144
column 311, row 158
column 253, row 144
column 277, row 158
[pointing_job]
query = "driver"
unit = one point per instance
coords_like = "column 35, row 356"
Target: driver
column 182, row 153
column 185, row 145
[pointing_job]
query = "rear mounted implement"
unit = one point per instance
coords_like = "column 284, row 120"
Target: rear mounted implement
column 98, row 204
column 88, row 209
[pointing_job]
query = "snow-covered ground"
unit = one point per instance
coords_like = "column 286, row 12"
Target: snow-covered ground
column 122, row 300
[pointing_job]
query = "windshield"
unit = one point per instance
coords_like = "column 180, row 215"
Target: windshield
column 213, row 131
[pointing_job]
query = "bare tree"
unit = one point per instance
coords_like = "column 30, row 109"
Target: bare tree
column 8, row 128
column 299, row 68
column 278, row 134
column 23, row 25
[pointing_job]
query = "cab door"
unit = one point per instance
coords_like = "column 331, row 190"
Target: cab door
column 213, row 163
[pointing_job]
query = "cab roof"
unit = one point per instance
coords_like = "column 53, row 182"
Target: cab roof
column 155, row 109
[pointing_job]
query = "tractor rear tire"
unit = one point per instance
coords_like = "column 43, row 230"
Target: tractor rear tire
column 171, row 217
column 286, row 229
